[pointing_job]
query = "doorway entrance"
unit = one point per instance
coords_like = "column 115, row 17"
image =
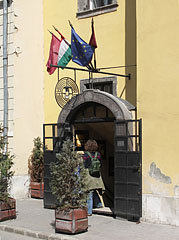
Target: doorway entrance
column 97, row 115
column 95, row 121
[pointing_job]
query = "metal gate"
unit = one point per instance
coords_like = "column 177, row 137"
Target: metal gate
column 128, row 170
column 53, row 136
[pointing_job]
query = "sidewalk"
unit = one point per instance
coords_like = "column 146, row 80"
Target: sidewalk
column 35, row 221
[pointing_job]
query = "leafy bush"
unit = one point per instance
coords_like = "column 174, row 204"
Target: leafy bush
column 36, row 161
column 68, row 182
column 6, row 174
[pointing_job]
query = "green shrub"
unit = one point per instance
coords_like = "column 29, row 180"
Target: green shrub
column 6, row 174
column 36, row 161
column 68, row 182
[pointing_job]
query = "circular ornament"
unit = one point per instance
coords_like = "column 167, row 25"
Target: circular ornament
column 65, row 89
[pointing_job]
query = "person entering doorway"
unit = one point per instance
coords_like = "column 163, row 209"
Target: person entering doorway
column 92, row 162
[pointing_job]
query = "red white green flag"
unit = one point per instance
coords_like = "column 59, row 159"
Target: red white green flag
column 53, row 54
column 60, row 53
column 64, row 54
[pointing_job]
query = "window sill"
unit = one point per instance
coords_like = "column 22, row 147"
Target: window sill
column 97, row 11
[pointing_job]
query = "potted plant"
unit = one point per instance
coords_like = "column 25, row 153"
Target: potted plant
column 7, row 204
column 36, row 169
column 68, row 184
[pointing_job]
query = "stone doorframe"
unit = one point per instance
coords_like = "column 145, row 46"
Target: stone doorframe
column 119, row 107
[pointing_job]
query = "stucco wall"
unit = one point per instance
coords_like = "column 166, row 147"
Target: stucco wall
column 155, row 44
column 110, row 36
column 28, row 80
column 157, row 103
column 158, row 60
column 25, row 84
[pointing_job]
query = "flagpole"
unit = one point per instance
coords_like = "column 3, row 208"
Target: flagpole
column 70, row 24
column 53, row 34
column 61, row 36
column 58, row 31
column 91, row 65
column 94, row 59
column 92, row 79
column 89, row 80
column 50, row 32
column 58, row 75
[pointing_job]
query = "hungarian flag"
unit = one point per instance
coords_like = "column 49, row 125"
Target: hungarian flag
column 53, row 54
column 64, row 54
column 60, row 53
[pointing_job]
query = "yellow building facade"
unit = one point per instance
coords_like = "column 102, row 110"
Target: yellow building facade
column 143, row 37
column 157, row 63
column 25, row 76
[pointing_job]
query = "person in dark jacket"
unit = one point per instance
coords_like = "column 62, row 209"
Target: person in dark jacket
column 95, row 182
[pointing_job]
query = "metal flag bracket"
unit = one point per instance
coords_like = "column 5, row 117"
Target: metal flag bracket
column 66, row 87
column 92, row 70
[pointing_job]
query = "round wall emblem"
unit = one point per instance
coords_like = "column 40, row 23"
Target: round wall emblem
column 65, row 89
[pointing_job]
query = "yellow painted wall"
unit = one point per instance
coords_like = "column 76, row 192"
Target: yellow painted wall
column 28, row 80
column 155, row 44
column 110, row 31
column 157, row 87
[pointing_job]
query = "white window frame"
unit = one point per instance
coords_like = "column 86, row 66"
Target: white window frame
column 93, row 4
column 89, row 8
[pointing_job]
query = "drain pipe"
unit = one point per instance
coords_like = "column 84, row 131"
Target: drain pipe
column 5, row 80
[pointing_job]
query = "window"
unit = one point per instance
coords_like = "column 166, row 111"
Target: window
column 106, row 84
column 88, row 8
column 98, row 3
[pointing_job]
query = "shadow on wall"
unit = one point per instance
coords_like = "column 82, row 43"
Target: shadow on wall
column 130, row 50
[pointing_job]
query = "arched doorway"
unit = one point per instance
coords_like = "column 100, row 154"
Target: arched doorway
column 119, row 107
column 95, row 121
column 108, row 119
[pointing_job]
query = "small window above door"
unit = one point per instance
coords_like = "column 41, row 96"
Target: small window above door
column 106, row 84
column 99, row 3
column 88, row 8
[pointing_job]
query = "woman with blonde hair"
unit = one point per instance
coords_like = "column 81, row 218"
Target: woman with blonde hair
column 91, row 157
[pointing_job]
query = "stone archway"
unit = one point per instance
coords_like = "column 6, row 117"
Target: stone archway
column 119, row 107
column 120, row 138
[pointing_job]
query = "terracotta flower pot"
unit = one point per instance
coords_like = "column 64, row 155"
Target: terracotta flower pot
column 7, row 210
column 72, row 221
column 37, row 189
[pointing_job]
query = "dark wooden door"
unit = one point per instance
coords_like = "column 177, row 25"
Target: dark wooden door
column 128, row 170
column 53, row 136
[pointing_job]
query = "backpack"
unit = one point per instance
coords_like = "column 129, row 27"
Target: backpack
column 94, row 169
